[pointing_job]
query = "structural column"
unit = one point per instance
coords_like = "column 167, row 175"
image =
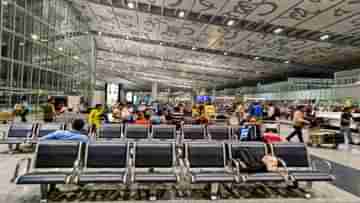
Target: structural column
column 154, row 91
column 121, row 94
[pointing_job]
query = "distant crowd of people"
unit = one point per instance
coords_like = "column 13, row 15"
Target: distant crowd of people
column 178, row 114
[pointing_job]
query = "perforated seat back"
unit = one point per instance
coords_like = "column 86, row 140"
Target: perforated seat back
column 154, row 155
column 20, row 130
column 205, row 155
column 164, row 131
column 294, row 154
column 136, row 131
column 47, row 128
column 194, row 132
column 219, row 132
column 56, row 155
column 107, row 155
column 250, row 153
column 110, row 131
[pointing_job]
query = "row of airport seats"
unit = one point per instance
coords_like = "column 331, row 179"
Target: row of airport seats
column 168, row 132
column 18, row 133
column 154, row 164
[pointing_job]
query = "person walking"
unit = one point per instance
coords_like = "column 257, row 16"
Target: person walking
column 49, row 112
column 95, row 117
column 345, row 130
column 298, row 124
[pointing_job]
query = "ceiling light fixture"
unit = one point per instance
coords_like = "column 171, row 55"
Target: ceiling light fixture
column 193, row 48
column 225, row 53
column 61, row 49
column 44, row 40
column 257, row 58
column 325, row 37
column 34, row 36
column 161, row 43
column 76, row 57
column 278, row 30
column 99, row 33
column 230, row 23
column 127, row 37
column 21, row 43
column 181, row 14
column 131, row 5
column 287, row 62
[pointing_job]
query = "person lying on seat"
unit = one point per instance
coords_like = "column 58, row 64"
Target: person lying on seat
column 73, row 135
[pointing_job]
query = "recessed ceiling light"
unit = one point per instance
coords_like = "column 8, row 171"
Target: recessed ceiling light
column 225, row 53
column 127, row 37
column 287, row 62
column 99, row 33
column 181, row 14
column 230, row 22
column 60, row 49
column 161, row 43
column 76, row 57
column 34, row 36
column 257, row 58
column 193, row 48
column 325, row 37
column 131, row 5
column 278, row 30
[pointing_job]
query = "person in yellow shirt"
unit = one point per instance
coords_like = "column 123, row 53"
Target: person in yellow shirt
column 95, row 117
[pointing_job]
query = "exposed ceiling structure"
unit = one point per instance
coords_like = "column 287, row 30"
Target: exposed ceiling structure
column 211, row 43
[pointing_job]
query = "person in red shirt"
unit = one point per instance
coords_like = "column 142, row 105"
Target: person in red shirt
column 141, row 120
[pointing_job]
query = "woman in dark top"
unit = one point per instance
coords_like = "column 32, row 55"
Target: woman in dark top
column 345, row 122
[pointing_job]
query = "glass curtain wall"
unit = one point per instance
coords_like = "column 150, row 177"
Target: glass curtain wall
column 46, row 49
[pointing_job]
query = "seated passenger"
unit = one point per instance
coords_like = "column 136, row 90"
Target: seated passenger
column 75, row 134
column 141, row 120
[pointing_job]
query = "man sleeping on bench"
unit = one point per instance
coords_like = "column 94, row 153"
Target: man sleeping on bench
column 72, row 135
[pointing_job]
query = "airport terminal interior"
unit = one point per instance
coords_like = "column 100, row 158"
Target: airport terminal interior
column 247, row 101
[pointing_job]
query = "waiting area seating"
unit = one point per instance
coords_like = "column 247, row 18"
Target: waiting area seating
column 156, row 164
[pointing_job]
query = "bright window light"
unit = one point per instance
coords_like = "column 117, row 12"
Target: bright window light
column 325, row 37
column 34, row 36
column 181, row 14
column 230, row 22
column 131, row 5
column 278, row 30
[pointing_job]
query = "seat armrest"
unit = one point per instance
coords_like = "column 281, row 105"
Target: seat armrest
column 313, row 164
column 132, row 170
column 283, row 163
column 17, row 168
column 237, row 166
